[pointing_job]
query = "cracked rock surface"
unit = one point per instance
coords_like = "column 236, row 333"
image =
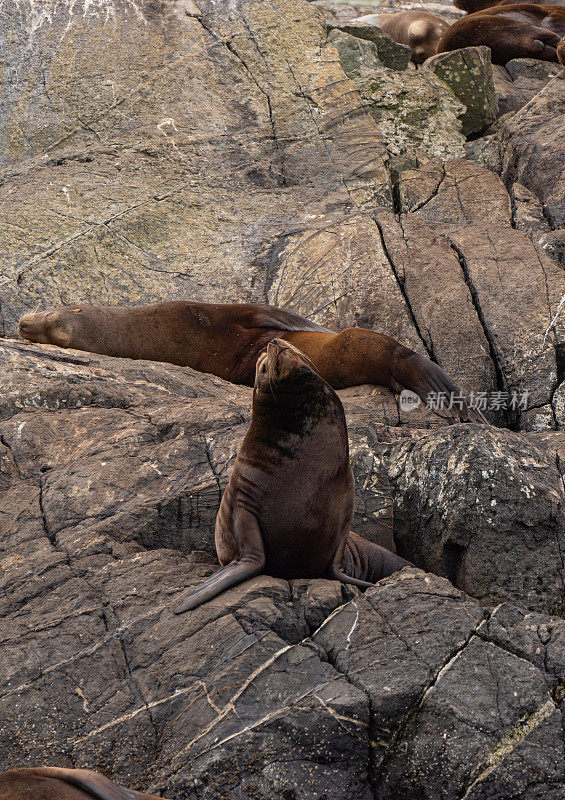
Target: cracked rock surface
column 111, row 473
column 163, row 149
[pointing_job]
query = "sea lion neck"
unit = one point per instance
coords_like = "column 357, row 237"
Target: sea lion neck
column 294, row 405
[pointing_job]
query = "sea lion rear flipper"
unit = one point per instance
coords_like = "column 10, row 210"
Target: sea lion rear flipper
column 92, row 782
column 232, row 574
column 337, row 575
column 365, row 563
column 420, row 375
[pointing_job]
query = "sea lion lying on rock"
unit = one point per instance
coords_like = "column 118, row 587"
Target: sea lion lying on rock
column 419, row 30
column 470, row 6
column 226, row 339
column 54, row 783
column 549, row 17
column 513, row 31
column 288, row 505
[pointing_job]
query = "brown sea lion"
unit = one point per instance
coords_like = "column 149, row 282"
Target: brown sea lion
column 54, row 783
column 288, row 505
column 561, row 51
column 419, row 30
column 470, row 6
column 549, row 17
column 509, row 33
column 226, row 339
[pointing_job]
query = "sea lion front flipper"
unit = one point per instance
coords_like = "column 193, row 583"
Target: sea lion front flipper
column 281, row 319
column 246, row 544
column 412, row 371
column 232, row 574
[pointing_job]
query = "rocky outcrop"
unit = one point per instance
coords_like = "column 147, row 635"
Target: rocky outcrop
column 468, row 73
column 112, row 472
column 520, row 80
column 220, row 151
column 484, row 508
column 386, row 51
column 530, row 146
column 414, row 110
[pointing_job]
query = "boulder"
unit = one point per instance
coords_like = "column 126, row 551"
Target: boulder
column 461, row 707
column 530, row 147
column 470, row 207
column 414, row 110
column 484, row 507
column 519, row 80
column 388, row 52
column 468, row 73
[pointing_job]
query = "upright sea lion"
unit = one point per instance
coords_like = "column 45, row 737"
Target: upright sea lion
column 54, row 783
column 470, row 6
column 226, row 339
column 419, row 30
column 508, row 31
column 288, row 505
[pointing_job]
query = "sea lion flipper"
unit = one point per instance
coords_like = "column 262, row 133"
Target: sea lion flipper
column 366, row 561
column 281, row 319
column 92, row 782
column 420, row 375
column 232, row 574
column 337, row 575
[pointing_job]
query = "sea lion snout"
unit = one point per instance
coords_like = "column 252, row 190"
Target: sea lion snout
column 44, row 327
column 30, row 326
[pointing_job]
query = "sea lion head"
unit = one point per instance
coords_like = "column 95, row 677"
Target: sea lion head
column 282, row 365
column 56, row 326
column 289, row 396
column 424, row 38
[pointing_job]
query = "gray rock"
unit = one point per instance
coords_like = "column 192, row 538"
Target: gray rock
column 454, row 709
column 414, row 110
column 111, row 473
column 520, row 80
column 530, row 143
column 469, row 207
column 528, row 211
column 388, row 52
column 553, row 242
column 468, row 73
column 483, row 507
column 337, row 13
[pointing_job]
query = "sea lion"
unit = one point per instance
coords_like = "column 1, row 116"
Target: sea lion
column 561, row 51
column 470, row 6
column 54, row 783
column 508, row 31
column 288, row 505
column 226, row 339
column 549, row 17
column 419, row 30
